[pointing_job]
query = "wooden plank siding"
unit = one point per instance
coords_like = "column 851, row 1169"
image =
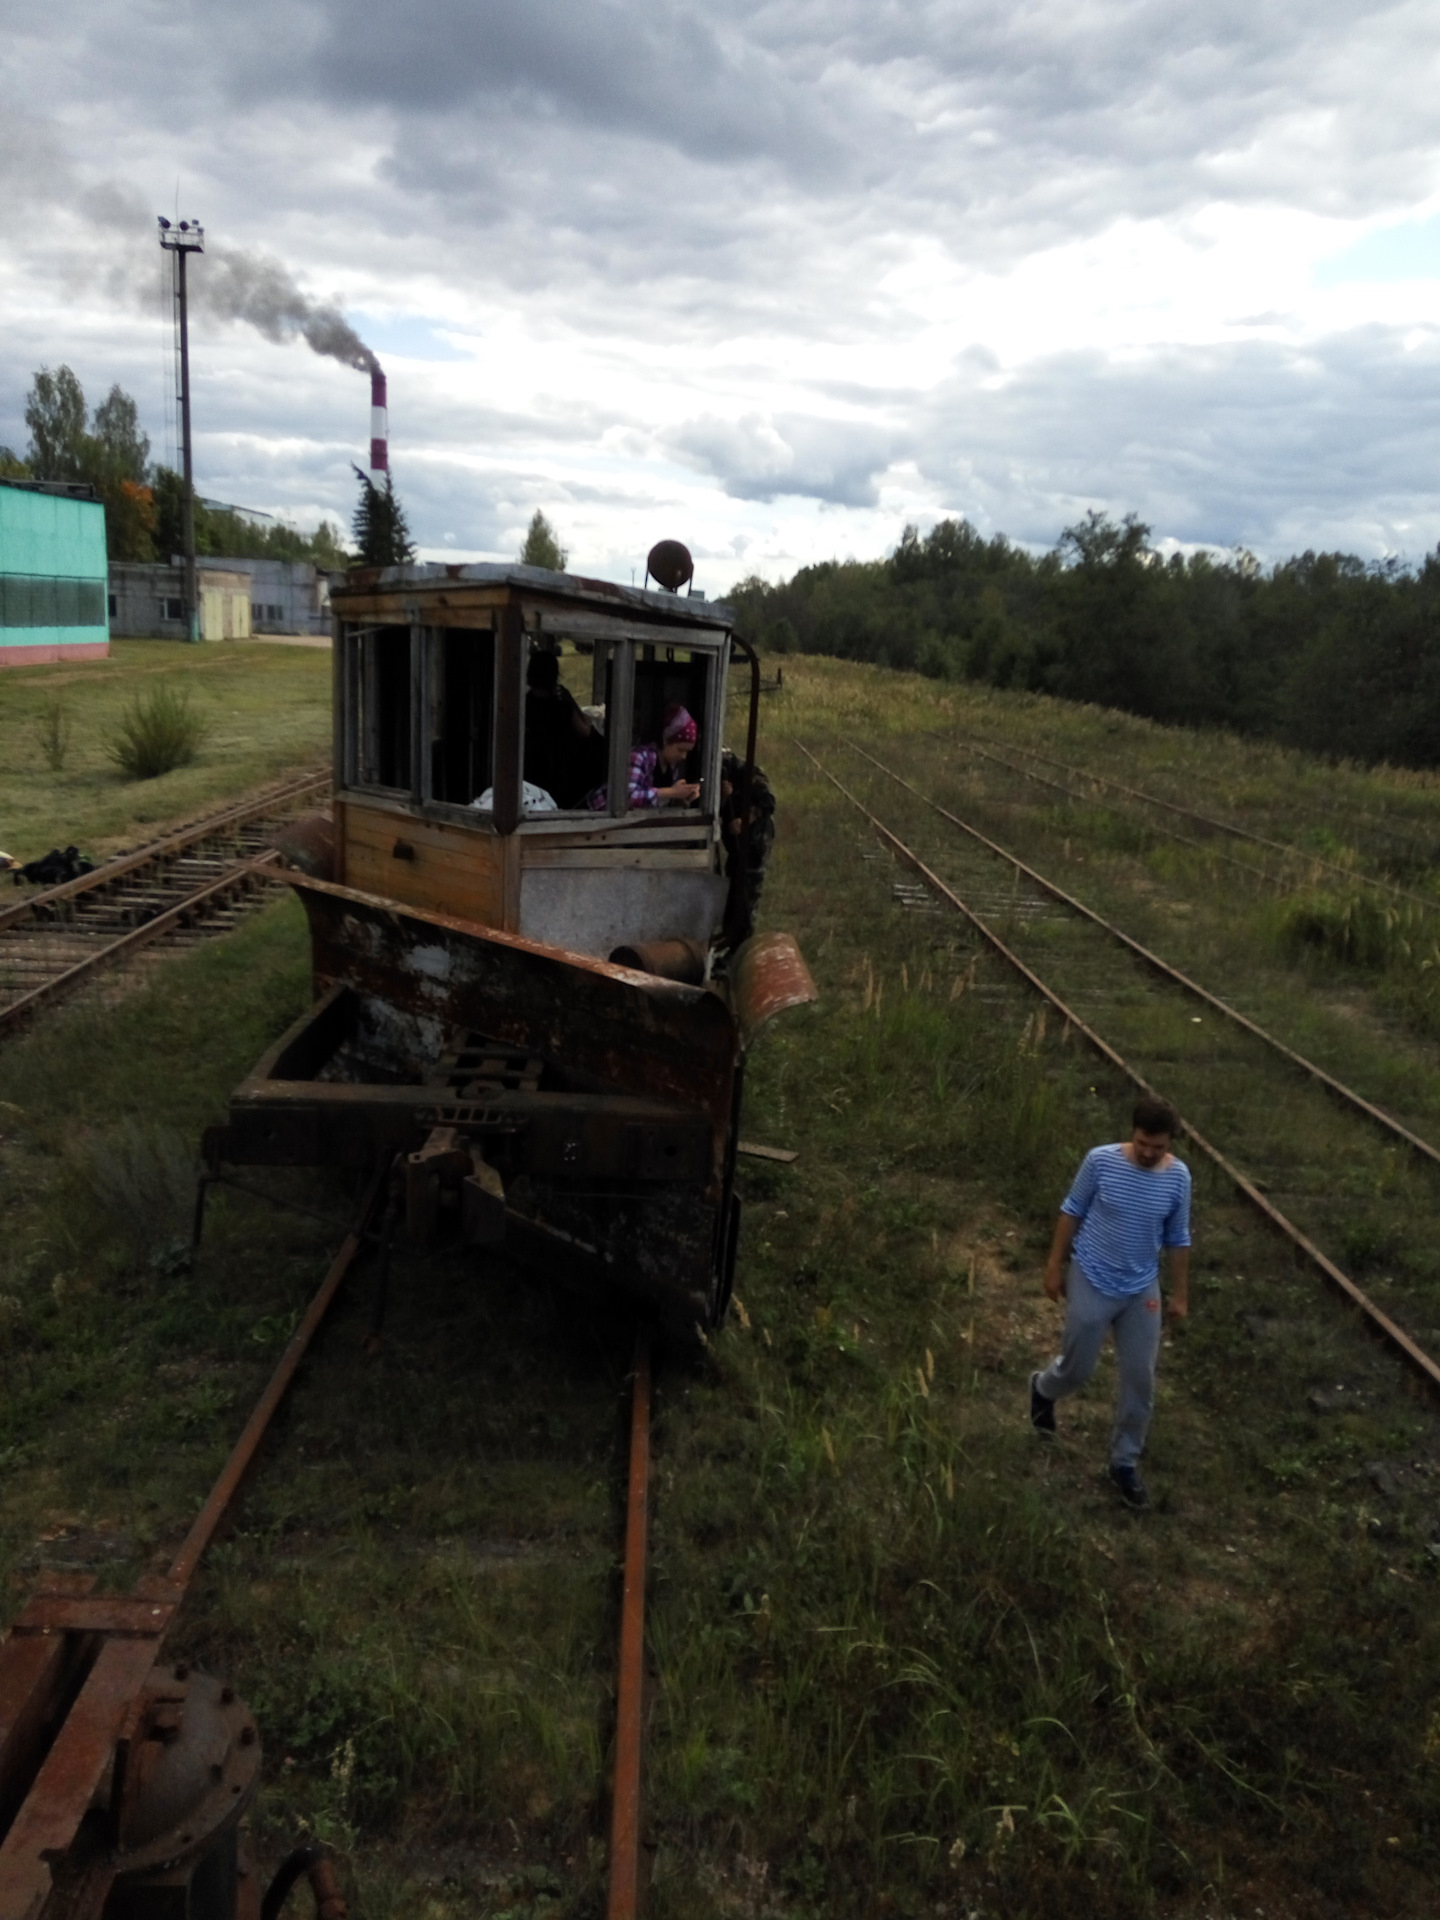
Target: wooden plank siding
column 455, row 870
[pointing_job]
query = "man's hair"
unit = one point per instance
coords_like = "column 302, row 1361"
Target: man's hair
column 1155, row 1116
column 542, row 674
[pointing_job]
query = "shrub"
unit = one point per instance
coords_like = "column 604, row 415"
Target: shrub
column 158, row 732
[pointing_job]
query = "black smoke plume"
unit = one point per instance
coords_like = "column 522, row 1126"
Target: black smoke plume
column 254, row 288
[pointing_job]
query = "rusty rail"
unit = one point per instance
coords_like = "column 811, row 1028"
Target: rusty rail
column 242, row 1454
column 1415, row 1355
column 630, row 1690
column 243, row 872
column 166, row 848
column 1343, row 1093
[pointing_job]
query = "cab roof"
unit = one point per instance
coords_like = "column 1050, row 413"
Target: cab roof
column 566, row 588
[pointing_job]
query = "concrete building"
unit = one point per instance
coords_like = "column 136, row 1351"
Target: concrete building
column 280, row 596
column 52, row 574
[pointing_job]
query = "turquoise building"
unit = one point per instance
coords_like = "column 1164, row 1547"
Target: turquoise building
column 53, row 575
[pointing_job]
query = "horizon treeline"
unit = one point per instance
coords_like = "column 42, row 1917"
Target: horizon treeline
column 144, row 504
column 1323, row 651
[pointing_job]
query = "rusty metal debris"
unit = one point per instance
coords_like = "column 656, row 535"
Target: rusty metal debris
column 123, row 1780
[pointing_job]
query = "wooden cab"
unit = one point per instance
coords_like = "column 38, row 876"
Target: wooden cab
column 441, row 742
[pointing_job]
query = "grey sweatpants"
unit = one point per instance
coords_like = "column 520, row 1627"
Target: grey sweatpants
column 1136, row 1319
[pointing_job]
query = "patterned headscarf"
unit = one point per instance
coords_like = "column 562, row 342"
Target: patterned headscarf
column 679, row 728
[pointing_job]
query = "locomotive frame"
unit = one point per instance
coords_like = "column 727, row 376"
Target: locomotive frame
column 517, row 1007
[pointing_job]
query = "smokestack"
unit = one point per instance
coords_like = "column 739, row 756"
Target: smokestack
column 379, row 428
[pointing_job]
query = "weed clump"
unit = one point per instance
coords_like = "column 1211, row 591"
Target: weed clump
column 52, row 735
column 158, row 732
column 142, row 1178
column 1353, row 928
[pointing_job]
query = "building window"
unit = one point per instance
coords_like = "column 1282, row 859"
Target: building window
column 172, row 608
column 39, row 600
column 113, row 604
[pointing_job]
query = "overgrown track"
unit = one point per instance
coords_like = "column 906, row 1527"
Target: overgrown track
column 1325, row 1162
column 1294, row 858
column 51, row 1807
column 185, row 887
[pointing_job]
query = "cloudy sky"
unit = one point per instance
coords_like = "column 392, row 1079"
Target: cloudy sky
column 773, row 277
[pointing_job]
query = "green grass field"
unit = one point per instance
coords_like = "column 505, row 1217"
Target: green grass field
column 267, row 709
column 907, row 1660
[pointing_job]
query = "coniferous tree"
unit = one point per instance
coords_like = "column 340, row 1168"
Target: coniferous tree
column 382, row 535
column 542, row 547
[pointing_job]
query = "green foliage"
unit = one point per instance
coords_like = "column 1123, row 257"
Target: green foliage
column 222, row 533
column 159, row 731
column 1357, row 928
column 111, row 456
column 382, row 537
column 1203, row 640
column 542, row 547
column 144, row 511
column 55, row 415
column 273, row 708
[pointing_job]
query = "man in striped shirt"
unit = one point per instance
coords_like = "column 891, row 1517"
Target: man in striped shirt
column 1129, row 1200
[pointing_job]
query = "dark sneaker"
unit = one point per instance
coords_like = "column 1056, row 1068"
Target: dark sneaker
column 1042, row 1410
column 1130, row 1487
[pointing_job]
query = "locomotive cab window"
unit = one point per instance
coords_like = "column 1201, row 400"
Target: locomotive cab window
column 662, row 699
column 564, row 755
column 378, row 688
column 460, row 700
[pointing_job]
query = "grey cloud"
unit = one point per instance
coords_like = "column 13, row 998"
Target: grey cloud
column 996, row 129
column 756, row 458
column 662, row 71
column 1256, row 443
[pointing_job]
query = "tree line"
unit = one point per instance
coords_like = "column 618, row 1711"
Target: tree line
column 1322, row 651
column 106, row 448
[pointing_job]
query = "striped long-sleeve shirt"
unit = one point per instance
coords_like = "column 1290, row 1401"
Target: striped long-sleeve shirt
column 1127, row 1213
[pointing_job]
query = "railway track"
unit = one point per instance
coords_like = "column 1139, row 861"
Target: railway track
column 1294, row 859
column 1319, row 1161
column 162, row 898
column 86, row 1668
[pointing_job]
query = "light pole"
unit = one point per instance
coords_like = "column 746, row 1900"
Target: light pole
column 182, row 241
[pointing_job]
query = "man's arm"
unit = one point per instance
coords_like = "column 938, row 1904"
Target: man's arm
column 1177, row 1306
column 1066, row 1228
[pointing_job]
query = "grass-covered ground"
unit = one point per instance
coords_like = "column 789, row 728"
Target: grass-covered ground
column 908, row 1660
column 267, row 711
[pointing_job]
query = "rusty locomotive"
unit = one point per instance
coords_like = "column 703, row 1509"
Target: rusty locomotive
column 517, row 998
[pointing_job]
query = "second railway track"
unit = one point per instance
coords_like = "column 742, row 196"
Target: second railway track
column 186, row 886
column 1349, row 1186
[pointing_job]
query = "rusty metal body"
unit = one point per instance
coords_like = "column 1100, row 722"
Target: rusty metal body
column 514, row 998
column 584, row 1112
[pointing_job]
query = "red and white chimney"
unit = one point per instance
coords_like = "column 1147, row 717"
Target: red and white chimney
column 379, row 429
